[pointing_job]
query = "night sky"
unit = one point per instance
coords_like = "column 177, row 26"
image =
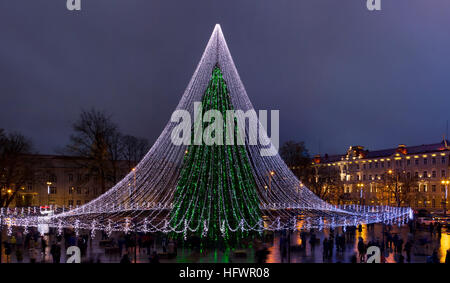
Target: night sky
column 339, row 74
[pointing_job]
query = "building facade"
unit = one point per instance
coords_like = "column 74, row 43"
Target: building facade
column 64, row 181
column 403, row 176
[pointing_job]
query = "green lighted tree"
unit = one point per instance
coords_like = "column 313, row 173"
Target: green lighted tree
column 216, row 190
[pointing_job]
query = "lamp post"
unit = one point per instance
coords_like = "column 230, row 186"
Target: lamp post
column 299, row 186
column 360, row 186
column 445, row 182
column 48, row 193
column 390, row 172
column 268, row 189
column 271, row 173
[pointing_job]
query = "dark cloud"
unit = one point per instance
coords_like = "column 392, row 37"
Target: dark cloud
column 339, row 74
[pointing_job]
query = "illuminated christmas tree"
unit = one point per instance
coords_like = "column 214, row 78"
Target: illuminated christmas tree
column 216, row 192
column 216, row 189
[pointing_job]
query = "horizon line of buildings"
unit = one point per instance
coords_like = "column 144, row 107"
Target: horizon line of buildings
column 63, row 181
column 60, row 180
column 365, row 174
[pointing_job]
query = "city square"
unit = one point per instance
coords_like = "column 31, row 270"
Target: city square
column 113, row 250
column 204, row 177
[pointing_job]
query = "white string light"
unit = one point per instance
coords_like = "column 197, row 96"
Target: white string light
column 144, row 199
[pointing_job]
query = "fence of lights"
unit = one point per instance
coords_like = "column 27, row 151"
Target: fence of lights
column 249, row 192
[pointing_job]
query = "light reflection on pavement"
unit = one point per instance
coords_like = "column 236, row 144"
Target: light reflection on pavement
column 308, row 255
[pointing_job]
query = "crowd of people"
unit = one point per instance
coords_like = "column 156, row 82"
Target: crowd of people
column 389, row 242
column 35, row 247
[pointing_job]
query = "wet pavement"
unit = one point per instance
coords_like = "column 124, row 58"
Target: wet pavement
column 424, row 244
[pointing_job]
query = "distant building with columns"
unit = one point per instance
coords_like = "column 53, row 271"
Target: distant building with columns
column 370, row 177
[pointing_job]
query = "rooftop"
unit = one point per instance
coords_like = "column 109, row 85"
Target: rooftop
column 405, row 150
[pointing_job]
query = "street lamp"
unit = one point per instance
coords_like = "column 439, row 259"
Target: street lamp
column 445, row 182
column 48, row 192
column 300, row 185
column 134, row 177
column 360, row 186
column 390, row 172
column 271, row 173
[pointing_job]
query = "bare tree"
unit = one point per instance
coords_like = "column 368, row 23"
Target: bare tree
column 325, row 182
column 115, row 149
column 400, row 186
column 296, row 157
column 409, row 185
column 16, row 169
column 99, row 142
column 96, row 139
column 133, row 149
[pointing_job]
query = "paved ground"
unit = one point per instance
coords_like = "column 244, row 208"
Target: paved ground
column 419, row 252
